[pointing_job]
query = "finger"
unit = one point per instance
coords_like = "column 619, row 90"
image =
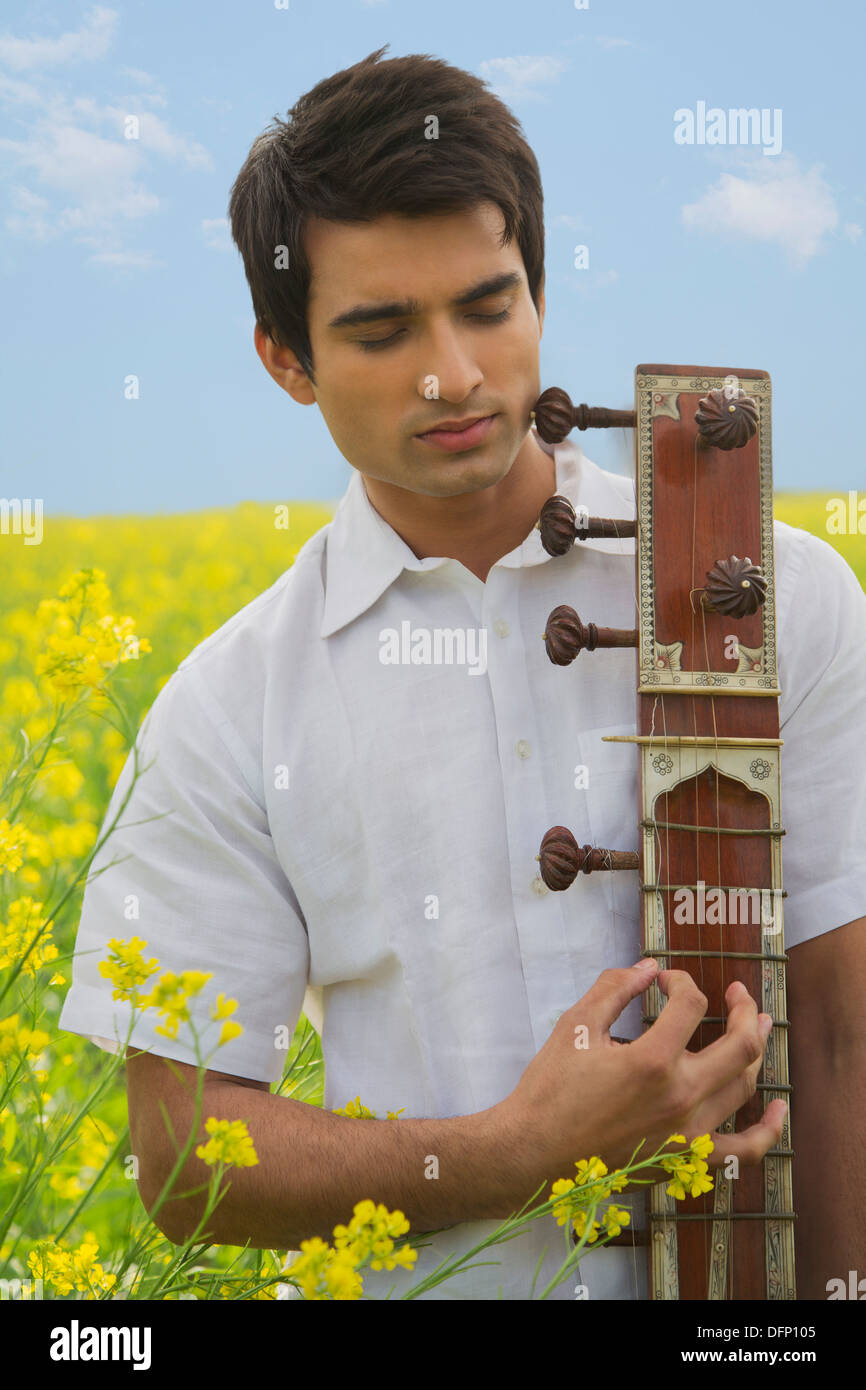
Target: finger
column 680, row 1016
column 749, row 1146
column 741, row 1045
column 605, row 1000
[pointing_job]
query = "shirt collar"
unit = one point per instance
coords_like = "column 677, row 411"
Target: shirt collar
column 364, row 555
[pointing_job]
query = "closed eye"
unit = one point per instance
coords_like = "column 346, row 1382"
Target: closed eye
column 371, row 344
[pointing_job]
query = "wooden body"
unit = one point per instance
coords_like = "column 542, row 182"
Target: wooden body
column 696, row 505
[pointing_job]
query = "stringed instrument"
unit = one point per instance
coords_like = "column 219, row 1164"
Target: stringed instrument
column 707, row 740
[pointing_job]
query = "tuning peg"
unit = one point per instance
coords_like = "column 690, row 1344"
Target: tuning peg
column 560, row 528
column 555, row 416
column 735, row 587
column 727, row 422
column 562, row 859
column 566, row 636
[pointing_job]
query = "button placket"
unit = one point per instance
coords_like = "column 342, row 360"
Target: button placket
column 538, row 917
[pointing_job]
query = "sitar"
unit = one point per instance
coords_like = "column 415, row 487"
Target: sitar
column 708, row 748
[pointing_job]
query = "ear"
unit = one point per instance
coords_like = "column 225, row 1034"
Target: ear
column 282, row 364
column 541, row 308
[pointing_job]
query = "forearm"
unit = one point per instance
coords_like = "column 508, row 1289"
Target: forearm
column 828, row 1124
column 314, row 1167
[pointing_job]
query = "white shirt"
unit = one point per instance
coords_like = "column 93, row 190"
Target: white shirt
column 392, row 888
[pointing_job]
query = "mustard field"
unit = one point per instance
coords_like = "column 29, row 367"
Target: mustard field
column 93, row 622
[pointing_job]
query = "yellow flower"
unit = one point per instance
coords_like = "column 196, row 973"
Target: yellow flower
column 356, row 1111
column 21, row 1042
column 20, row 932
column 170, row 996
column 372, row 1231
column 310, row 1266
column 342, row 1280
column 229, row 1030
column 223, row 1008
column 65, row 1187
column 127, row 969
column 230, row 1143
column 614, row 1219
column 83, row 642
column 690, row 1180
column 70, row 1270
column 579, row 1222
column 11, row 845
column 323, row 1271
column 702, row 1146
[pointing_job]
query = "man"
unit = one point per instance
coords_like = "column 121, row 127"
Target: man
column 354, row 832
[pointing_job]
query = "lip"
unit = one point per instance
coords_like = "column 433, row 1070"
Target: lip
column 454, row 440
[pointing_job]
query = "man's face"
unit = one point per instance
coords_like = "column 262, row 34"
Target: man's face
column 381, row 382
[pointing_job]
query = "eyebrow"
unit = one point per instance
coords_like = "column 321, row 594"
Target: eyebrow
column 406, row 308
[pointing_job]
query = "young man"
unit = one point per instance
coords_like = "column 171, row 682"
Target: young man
column 355, row 834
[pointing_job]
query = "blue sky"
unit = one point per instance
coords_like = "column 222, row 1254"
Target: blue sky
column 115, row 255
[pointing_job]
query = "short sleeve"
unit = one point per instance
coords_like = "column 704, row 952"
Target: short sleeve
column 822, row 675
column 191, row 869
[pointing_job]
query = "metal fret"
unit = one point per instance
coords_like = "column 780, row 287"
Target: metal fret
column 725, row 887
column 728, row 1216
column 708, row 1018
column 717, row 955
column 694, row 741
column 707, row 829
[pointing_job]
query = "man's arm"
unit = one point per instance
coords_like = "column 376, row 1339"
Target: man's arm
column 313, row 1165
column 827, row 1043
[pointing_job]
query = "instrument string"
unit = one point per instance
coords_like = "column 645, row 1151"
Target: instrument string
column 692, row 664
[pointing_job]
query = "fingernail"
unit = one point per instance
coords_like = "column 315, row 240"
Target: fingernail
column 765, row 1025
column 645, row 964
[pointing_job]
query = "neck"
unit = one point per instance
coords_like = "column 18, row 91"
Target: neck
column 476, row 528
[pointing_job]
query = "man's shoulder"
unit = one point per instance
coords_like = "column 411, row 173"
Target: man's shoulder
column 278, row 615
column 224, row 680
column 811, row 575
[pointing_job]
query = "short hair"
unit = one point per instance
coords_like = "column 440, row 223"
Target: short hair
column 354, row 149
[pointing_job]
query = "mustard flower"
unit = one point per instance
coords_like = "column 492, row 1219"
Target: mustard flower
column 126, row 968
column 230, row 1143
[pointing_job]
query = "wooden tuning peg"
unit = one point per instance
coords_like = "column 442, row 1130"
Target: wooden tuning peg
column 566, row 636
column 560, row 527
column 562, row 859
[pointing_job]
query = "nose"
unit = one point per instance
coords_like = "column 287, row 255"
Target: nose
column 449, row 370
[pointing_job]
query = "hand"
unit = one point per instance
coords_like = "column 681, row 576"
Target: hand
column 584, row 1094
column 749, row 1145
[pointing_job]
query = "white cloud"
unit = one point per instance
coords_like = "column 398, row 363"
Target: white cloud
column 523, row 78
column 587, row 281
column 92, row 41
column 215, row 231
column 852, row 231
column 776, row 202
column 607, row 42
column 74, row 172
column 126, row 260
column 570, row 220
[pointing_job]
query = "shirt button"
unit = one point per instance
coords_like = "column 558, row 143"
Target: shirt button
column 501, row 628
column 523, row 749
column 539, row 886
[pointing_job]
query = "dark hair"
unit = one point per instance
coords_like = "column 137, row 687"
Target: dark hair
column 354, row 149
